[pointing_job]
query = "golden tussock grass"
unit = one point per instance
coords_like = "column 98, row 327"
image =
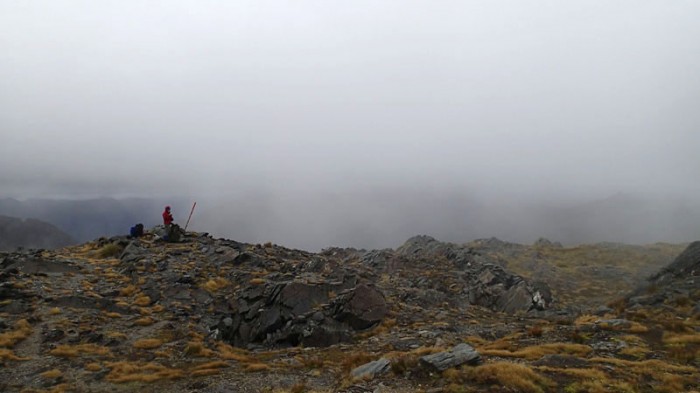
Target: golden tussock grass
column 62, row 388
column 536, row 352
column 167, row 354
column 535, row 331
column 586, row 319
column 116, row 335
column 310, row 362
column 145, row 311
column 93, row 367
column 356, row 359
column 683, row 353
column 51, row 374
column 157, row 308
column 216, row 284
column 148, row 343
column 257, row 281
column 672, row 383
column 209, row 368
column 605, row 386
column 55, row 311
column 113, row 315
column 256, row 367
column 198, row 349
column 8, row 354
column 502, row 343
column 582, row 373
column 214, row 364
column 475, row 340
column 230, row 353
column 138, row 372
column 510, row 375
column 142, row 301
column 71, row 351
column 109, row 251
column 682, row 339
column 402, row 363
column 635, row 352
column 128, row 290
column 299, row 387
column 205, row 372
column 145, row 321
column 22, row 330
column 452, row 374
column 20, row 284
column 637, row 328
column 646, row 366
column 422, row 351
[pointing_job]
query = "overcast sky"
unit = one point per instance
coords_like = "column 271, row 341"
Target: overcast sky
column 490, row 98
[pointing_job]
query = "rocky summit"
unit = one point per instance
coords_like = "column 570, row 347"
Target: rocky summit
column 216, row 315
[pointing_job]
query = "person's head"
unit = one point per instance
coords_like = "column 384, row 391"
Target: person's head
column 167, row 208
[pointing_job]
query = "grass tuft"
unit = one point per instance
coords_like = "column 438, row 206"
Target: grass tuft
column 52, row 374
column 145, row 321
column 22, row 331
column 256, row 367
column 148, row 343
column 137, row 372
column 216, row 284
column 536, row 352
column 510, row 375
column 109, row 251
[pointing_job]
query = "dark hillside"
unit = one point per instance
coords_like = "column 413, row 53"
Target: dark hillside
column 30, row 233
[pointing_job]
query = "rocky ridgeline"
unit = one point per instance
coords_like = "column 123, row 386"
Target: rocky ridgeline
column 269, row 295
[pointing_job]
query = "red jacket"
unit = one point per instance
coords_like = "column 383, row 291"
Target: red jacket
column 167, row 218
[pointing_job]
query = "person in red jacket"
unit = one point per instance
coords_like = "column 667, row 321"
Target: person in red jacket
column 167, row 217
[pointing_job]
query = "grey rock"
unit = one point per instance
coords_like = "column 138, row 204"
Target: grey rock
column 362, row 308
column 371, row 369
column 458, row 355
column 602, row 310
column 132, row 253
column 543, row 242
column 302, row 312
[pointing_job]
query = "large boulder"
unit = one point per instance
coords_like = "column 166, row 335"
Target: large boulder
column 313, row 313
column 457, row 356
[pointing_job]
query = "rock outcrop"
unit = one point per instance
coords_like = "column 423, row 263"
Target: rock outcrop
column 310, row 313
column 679, row 281
column 470, row 278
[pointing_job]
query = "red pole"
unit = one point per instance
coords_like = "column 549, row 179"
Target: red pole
column 188, row 218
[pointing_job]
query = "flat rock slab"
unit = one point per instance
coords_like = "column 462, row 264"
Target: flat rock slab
column 457, row 356
column 371, row 369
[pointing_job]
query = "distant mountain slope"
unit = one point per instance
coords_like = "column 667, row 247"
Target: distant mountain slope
column 30, row 233
column 88, row 219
